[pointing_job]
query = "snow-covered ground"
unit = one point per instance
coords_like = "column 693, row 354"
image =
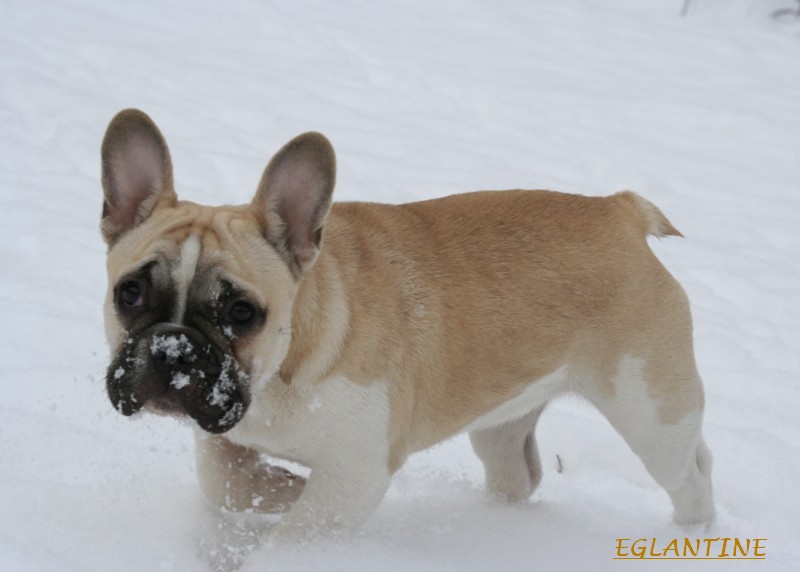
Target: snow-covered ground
column 699, row 113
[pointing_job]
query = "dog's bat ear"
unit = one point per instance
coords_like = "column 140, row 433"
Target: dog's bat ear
column 294, row 197
column 136, row 173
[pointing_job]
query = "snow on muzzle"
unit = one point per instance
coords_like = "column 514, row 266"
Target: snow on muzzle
column 177, row 370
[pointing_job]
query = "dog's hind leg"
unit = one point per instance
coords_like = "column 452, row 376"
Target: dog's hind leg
column 510, row 457
column 658, row 410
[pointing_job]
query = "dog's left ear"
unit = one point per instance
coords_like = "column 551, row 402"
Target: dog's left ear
column 294, row 197
column 136, row 173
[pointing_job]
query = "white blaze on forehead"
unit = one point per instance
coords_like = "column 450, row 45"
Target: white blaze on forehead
column 183, row 272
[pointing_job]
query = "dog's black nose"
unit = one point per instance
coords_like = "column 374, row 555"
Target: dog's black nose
column 161, row 356
column 172, row 352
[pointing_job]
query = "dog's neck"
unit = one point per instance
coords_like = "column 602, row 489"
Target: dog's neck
column 319, row 324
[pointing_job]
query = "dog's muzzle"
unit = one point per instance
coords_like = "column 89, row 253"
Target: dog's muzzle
column 177, row 370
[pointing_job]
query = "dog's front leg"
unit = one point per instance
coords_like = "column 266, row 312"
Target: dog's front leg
column 339, row 495
column 234, row 477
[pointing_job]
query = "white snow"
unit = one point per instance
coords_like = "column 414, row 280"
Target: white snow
column 220, row 391
column 699, row 114
column 180, row 380
column 235, row 412
column 173, row 346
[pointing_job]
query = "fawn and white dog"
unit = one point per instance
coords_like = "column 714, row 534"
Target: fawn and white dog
column 348, row 336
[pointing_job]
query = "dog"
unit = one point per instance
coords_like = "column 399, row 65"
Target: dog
column 346, row 337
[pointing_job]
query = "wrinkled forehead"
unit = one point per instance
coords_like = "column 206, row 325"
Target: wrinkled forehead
column 192, row 245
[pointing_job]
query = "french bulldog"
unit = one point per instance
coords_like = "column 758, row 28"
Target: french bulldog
column 347, row 336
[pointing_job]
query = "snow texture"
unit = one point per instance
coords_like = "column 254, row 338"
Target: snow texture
column 421, row 99
column 180, row 380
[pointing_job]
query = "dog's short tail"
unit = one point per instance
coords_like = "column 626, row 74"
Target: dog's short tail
column 654, row 220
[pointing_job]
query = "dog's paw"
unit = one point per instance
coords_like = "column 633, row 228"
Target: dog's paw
column 274, row 489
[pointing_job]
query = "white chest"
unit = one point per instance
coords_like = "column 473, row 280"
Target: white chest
column 307, row 423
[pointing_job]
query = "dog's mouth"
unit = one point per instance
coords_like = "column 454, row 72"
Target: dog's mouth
column 165, row 405
column 179, row 373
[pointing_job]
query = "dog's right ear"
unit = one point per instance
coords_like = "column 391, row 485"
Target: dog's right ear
column 136, row 173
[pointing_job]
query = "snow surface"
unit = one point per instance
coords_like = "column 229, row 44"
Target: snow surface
column 699, row 114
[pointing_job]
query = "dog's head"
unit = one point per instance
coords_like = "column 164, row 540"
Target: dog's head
column 199, row 302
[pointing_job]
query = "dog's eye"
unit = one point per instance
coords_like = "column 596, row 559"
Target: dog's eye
column 131, row 294
column 240, row 313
